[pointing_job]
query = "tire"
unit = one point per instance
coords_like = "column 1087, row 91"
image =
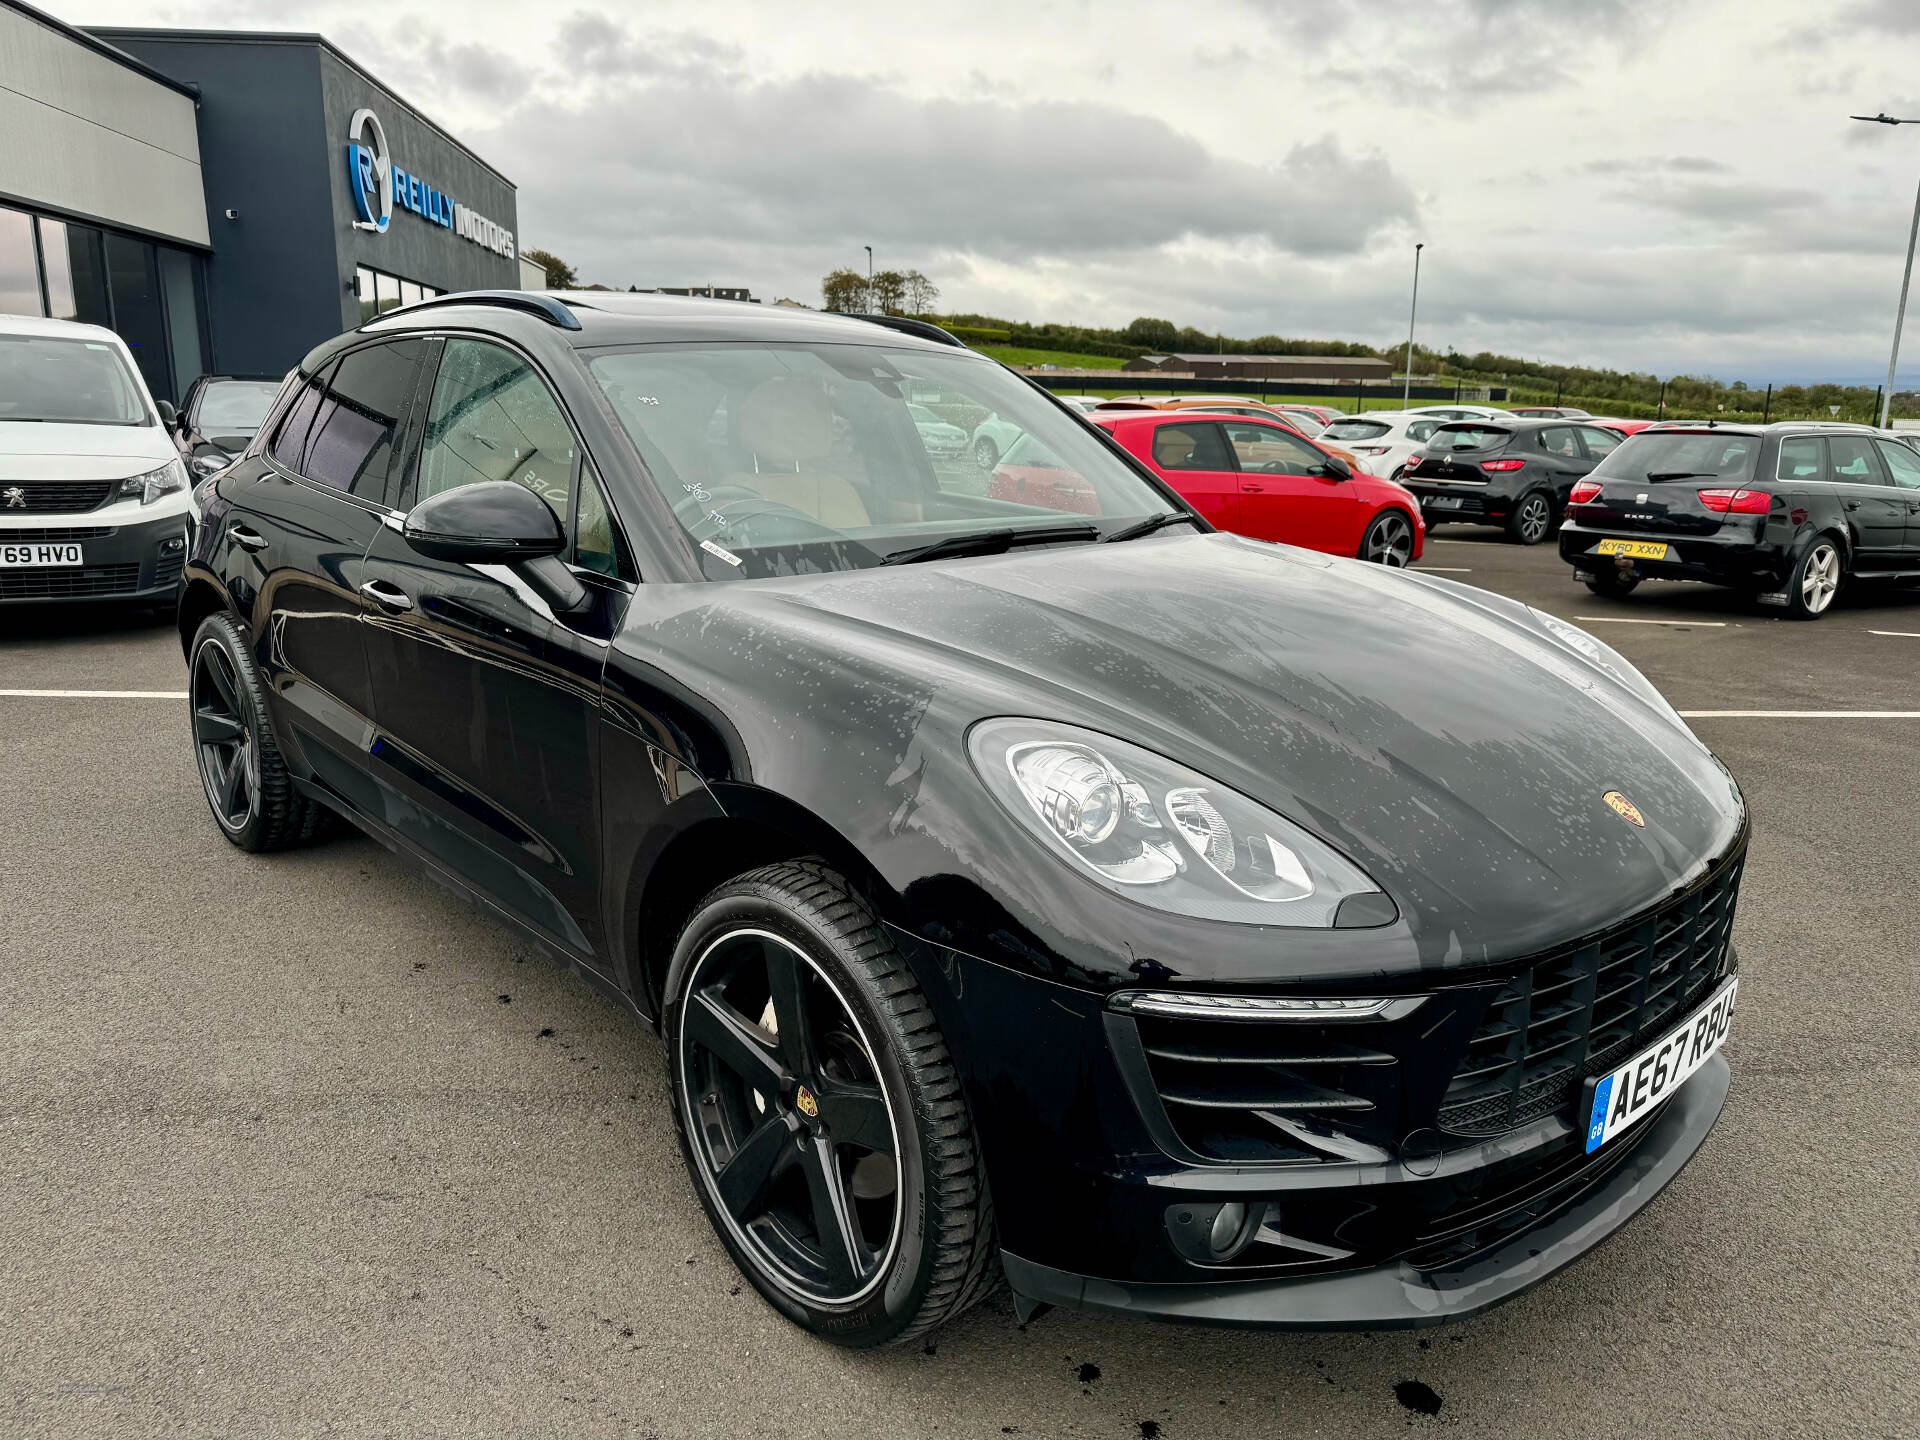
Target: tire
column 1532, row 518
column 785, row 976
column 242, row 772
column 986, row 454
column 1612, row 584
column 1815, row 580
column 1389, row 540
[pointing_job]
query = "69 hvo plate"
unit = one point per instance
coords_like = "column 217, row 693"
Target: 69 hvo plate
column 1614, row 1102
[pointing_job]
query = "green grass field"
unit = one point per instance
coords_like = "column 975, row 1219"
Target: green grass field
column 1015, row 355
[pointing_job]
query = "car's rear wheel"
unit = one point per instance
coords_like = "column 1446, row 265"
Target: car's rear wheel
column 986, row 454
column 241, row 769
column 1532, row 518
column 820, row 1112
column 1389, row 540
column 1815, row 580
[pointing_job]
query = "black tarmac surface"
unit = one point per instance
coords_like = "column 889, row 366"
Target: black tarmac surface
column 301, row 1145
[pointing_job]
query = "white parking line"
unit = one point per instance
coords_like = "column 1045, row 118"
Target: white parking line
column 1618, row 620
column 1444, row 570
column 1800, row 714
column 93, row 694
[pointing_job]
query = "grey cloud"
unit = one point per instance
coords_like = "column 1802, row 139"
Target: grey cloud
column 592, row 44
column 1641, row 165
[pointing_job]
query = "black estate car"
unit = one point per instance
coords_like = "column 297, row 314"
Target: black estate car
column 1787, row 512
column 1515, row 473
column 1175, row 923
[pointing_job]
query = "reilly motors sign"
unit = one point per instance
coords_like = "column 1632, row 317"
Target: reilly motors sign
column 377, row 185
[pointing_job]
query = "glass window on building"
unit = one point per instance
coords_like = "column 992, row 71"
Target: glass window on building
column 180, row 289
column 387, row 291
column 87, row 263
column 56, row 269
column 409, row 293
column 19, row 271
column 363, row 286
column 138, row 313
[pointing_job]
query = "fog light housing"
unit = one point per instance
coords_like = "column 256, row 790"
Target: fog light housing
column 1214, row 1232
column 172, row 544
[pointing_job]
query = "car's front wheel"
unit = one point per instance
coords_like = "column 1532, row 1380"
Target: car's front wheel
column 986, row 454
column 820, row 1112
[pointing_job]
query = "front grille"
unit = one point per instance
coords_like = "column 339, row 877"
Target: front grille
column 67, row 495
column 1253, row 1092
column 54, row 534
column 1582, row 1012
column 69, row 584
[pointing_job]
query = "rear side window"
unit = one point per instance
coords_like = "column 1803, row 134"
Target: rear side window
column 1470, row 435
column 1901, row 463
column 290, row 441
column 1421, row 431
column 1190, row 447
column 1850, row 458
column 362, row 407
column 1560, row 440
column 1800, row 458
column 1600, row 443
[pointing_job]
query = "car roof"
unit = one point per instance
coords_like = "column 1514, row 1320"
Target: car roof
column 63, row 329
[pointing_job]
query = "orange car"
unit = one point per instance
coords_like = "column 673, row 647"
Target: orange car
column 1227, row 405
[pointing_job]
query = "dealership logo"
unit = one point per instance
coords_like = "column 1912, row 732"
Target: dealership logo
column 377, row 185
column 369, row 172
column 1625, row 808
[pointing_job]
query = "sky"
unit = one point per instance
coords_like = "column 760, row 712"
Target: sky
column 1660, row 185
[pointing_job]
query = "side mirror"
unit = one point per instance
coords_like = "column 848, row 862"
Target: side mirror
column 1337, row 469
column 499, row 523
column 169, row 417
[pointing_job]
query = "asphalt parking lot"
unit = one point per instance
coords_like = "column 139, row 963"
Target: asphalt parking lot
column 301, row 1145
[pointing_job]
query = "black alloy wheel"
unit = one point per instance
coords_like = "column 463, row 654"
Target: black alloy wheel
column 986, row 454
column 819, row 1111
column 1532, row 518
column 241, row 768
column 1389, row 540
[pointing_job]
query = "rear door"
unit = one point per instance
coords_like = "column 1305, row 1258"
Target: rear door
column 487, row 702
column 1289, row 492
column 1903, row 467
column 1192, row 456
column 1561, row 455
column 1875, row 507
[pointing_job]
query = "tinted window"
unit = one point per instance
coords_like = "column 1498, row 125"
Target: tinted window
column 1599, row 442
column 1269, row 450
column 1342, row 431
column 1469, row 435
column 233, row 407
column 1560, row 440
column 1420, row 431
column 1800, row 458
column 290, row 443
column 493, row 418
column 1901, row 463
column 1678, row 455
column 1850, row 457
column 596, row 541
column 362, row 407
column 1190, row 447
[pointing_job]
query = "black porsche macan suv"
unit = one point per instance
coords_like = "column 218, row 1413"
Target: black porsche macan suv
column 1787, row 513
column 1178, row 924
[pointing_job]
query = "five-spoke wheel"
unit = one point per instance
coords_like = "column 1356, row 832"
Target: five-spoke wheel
column 223, row 737
column 1389, row 540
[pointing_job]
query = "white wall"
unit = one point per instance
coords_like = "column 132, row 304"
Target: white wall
column 532, row 276
column 80, row 132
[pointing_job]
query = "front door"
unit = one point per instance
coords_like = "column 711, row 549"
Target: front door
column 1289, row 492
column 487, row 702
column 1875, row 507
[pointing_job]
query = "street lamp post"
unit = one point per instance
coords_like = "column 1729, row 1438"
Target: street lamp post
column 1406, row 392
column 1906, row 276
column 869, row 250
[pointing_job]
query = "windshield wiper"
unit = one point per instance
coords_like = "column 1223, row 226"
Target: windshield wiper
column 1682, row 474
column 1148, row 526
column 991, row 542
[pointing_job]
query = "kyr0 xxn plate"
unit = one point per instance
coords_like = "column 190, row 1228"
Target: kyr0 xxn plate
column 1614, row 1102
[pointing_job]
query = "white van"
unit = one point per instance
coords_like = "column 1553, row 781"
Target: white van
column 93, row 494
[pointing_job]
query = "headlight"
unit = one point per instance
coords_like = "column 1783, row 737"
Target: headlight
column 204, row 465
column 1161, row 834
column 1605, row 657
column 155, row 483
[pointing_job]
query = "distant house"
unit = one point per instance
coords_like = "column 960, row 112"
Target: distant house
column 1265, row 367
column 709, row 292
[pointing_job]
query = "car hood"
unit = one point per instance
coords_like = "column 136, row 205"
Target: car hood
column 1437, row 734
column 80, row 452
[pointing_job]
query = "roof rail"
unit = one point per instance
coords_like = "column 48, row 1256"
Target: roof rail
column 552, row 311
column 908, row 326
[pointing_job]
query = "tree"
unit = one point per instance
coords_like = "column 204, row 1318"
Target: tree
column 560, row 274
column 890, row 292
column 845, row 291
column 921, row 293
column 1155, row 334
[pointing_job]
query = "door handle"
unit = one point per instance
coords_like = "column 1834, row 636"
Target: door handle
column 246, row 539
column 390, row 598
column 1247, row 489
column 1853, row 504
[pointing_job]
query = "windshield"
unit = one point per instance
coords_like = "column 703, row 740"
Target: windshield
column 1343, row 430
column 235, row 407
column 797, row 459
column 1671, row 456
column 67, row 382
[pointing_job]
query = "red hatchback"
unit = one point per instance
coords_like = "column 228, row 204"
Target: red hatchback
column 1258, row 478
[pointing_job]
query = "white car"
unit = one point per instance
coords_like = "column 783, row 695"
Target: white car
column 940, row 438
column 993, row 437
column 93, row 493
column 1460, row 412
column 1383, row 439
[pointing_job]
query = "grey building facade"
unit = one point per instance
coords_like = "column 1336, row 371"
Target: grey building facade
column 226, row 200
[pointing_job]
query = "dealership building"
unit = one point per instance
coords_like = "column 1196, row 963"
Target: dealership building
column 226, row 200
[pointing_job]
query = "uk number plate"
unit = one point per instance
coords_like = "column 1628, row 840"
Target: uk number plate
column 1442, row 502
column 22, row 557
column 1638, row 549
column 1616, row 1101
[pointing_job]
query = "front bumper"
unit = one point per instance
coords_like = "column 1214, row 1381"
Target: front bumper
column 1402, row 1294
column 123, row 558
